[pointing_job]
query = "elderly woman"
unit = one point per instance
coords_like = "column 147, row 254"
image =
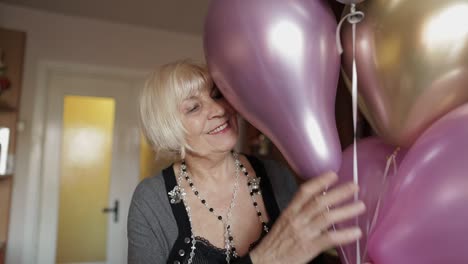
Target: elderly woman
column 217, row 206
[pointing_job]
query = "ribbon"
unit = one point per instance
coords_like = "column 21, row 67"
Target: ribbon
column 353, row 18
column 391, row 160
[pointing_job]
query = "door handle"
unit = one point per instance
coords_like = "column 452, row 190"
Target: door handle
column 114, row 210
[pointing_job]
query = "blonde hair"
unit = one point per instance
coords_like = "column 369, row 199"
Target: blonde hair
column 160, row 99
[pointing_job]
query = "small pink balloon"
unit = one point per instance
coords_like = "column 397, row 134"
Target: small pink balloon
column 277, row 63
column 426, row 216
column 373, row 155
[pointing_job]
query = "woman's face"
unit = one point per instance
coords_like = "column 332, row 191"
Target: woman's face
column 210, row 121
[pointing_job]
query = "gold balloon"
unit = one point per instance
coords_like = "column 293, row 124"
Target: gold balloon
column 412, row 62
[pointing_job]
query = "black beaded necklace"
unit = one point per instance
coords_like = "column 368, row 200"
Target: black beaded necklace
column 253, row 183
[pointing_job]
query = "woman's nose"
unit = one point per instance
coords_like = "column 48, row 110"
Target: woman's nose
column 217, row 109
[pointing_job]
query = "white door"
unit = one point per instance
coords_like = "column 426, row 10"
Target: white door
column 90, row 165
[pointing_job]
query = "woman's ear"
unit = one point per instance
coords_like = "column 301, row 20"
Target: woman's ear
column 182, row 152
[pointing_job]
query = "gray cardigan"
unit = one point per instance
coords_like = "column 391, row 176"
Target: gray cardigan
column 152, row 228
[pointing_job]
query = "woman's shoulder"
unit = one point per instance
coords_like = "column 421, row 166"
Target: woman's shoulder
column 150, row 201
column 152, row 228
column 269, row 164
column 151, row 195
column 283, row 181
column 149, row 188
column 275, row 165
column 279, row 173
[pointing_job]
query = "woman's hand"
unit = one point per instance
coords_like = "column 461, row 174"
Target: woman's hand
column 301, row 232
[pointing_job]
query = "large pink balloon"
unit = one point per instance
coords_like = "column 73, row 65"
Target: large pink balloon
column 427, row 217
column 276, row 62
column 373, row 154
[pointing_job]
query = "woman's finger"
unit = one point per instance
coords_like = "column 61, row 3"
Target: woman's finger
column 328, row 218
column 331, row 239
column 311, row 189
column 324, row 202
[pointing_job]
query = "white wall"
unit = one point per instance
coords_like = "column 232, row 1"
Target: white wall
column 58, row 38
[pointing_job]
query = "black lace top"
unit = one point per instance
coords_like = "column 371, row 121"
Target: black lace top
column 206, row 252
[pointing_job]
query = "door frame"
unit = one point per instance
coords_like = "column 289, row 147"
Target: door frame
column 37, row 197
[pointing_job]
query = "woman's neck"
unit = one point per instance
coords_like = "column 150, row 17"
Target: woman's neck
column 215, row 168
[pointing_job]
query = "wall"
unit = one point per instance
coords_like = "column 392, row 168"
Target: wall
column 59, row 38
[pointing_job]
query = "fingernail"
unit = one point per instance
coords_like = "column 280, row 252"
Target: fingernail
column 357, row 232
column 353, row 186
column 362, row 205
column 331, row 175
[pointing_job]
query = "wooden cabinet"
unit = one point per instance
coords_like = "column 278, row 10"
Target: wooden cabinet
column 12, row 46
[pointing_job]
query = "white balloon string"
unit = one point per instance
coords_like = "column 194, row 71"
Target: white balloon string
column 343, row 253
column 355, row 157
column 390, row 161
column 353, row 18
column 334, row 229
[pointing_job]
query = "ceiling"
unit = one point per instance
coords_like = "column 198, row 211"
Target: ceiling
column 185, row 16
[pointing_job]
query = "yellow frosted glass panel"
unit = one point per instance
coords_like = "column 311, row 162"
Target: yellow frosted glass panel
column 86, row 156
column 147, row 159
column 150, row 164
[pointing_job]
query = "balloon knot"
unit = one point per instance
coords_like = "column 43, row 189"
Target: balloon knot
column 353, row 18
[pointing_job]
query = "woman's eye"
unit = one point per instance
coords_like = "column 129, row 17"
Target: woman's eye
column 193, row 109
column 217, row 95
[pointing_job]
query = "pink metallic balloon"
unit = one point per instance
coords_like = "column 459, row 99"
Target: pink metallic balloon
column 426, row 211
column 276, row 62
column 373, row 154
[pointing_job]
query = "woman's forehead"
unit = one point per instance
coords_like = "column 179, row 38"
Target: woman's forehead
column 196, row 91
column 192, row 93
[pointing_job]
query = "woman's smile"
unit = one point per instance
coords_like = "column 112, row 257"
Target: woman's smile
column 223, row 128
